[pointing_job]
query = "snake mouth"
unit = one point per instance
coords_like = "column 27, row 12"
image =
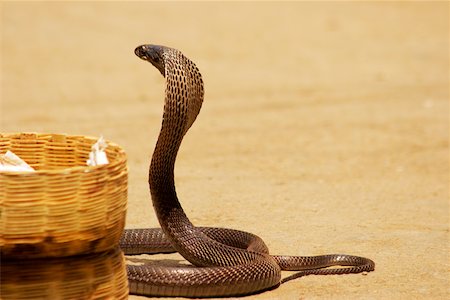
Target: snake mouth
column 140, row 52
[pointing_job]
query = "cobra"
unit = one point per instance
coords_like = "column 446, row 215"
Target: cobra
column 225, row 262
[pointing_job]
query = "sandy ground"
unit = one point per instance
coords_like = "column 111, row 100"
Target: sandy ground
column 324, row 129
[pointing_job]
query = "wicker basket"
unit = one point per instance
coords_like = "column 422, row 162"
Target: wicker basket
column 65, row 207
column 93, row 276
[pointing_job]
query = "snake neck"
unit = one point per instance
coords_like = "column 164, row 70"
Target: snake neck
column 161, row 175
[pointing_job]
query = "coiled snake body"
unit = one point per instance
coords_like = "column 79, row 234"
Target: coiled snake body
column 228, row 262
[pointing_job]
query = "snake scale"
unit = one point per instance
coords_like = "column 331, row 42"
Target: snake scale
column 225, row 262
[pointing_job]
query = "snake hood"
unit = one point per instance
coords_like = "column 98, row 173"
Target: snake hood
column 184, row 83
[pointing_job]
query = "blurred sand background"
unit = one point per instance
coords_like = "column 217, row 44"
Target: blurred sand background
column 324, row 129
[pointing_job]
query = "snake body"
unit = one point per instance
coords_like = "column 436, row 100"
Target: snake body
column 226, row 262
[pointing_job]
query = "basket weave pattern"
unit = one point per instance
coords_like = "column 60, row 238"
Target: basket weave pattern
column 65, row 207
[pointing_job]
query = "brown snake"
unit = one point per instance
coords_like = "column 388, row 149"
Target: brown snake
column 228, row 262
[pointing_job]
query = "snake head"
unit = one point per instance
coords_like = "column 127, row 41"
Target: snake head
column 152, row 54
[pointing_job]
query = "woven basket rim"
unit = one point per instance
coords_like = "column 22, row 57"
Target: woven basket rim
column 121, row 157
